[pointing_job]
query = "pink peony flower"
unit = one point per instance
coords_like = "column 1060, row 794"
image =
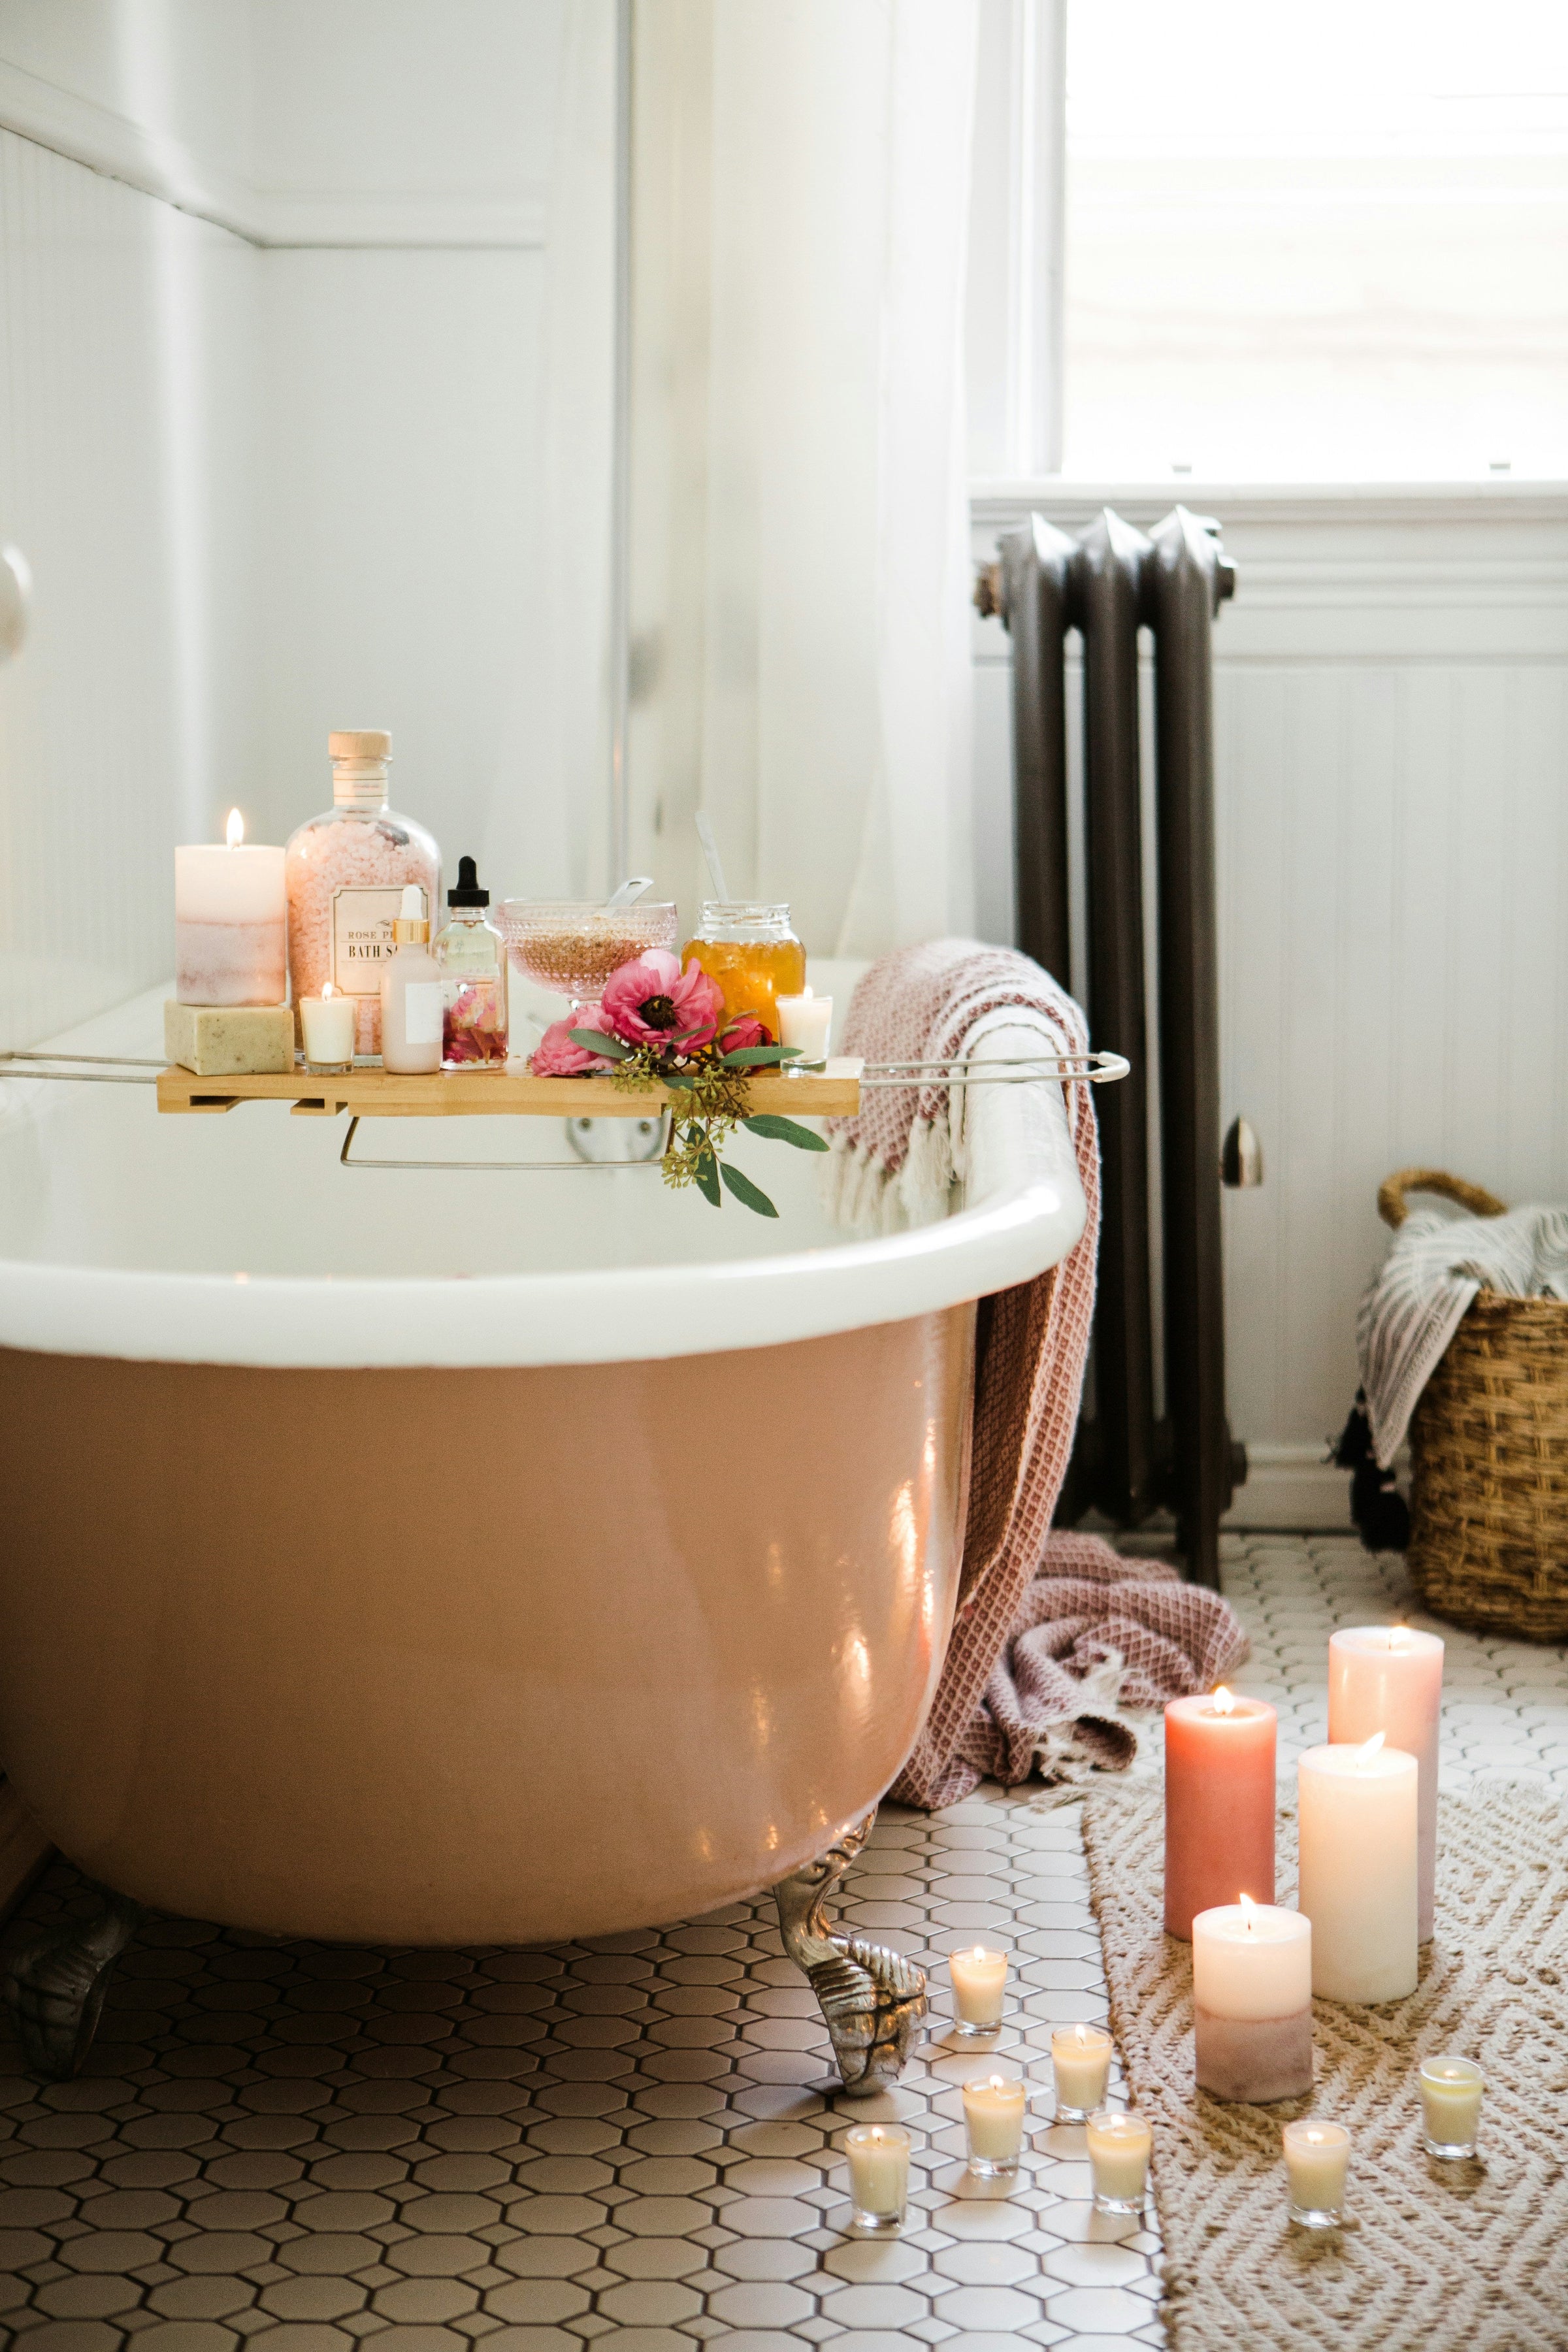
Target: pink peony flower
column 653, row 1003
column 747, row 1031
column 555, row 1057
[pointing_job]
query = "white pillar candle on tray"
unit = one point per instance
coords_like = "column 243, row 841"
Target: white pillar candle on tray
column 979, row 1984
column 1317, row 2158
column 231, row 941
column 1252, row 2002
column 1119, row 2146
column 327, row 1026
column 1358, row 1878
column 1389, row 1678
column 878, row 2158
column 1080, row 2061
column 993, row 2122
column 806, row 1021
column 1451, row 2092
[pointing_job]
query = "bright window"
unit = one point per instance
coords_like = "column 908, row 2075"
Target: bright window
column 1308, row 243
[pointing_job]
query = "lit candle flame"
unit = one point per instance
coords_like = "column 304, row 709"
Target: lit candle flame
column 996, row 2082
column 807, row 989
column 326, row 988
column 1224, row 1701
column 1365, row 1754
column 877, row 2134
column 1248, row 1909
column 1398, row 1637
column 234, row 833
column 1080, row 2035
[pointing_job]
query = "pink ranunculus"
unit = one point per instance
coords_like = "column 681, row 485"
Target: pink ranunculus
column 653, row 1003
column 747, row 1031
column 555, row 1057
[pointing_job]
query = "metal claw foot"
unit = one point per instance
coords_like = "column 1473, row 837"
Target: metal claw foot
column 53, row 1987
column 872, row 2000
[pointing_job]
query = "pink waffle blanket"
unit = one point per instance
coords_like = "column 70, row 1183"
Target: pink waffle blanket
column 1054, row 1632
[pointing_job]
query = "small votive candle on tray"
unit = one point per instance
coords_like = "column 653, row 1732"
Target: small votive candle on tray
column 1080, row 2061
column 326, row 1027
column 878, row 2158
column 1252, row 2002
column 806, row 1021
column 979, row 1985
column 1118, row 2146
column 994, row 2109
column 1451, row 2092
column 231, row 924
column 1317, row 2157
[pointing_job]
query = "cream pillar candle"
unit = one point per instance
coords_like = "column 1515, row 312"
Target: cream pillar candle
column 1358, row 1878
column 878, row 2158
column 1389, row 1678
column 979, row 1984
column 1080, row 2061
column 1451, row 2092
column 806, row 1021
column 1317, row 2158
column 1119, row 2146
column 993, row 2122
column 326, row 1027
column 1252, row 2002
column 231, row 938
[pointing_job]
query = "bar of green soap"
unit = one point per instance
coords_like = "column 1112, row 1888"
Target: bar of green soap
column 230, row 1041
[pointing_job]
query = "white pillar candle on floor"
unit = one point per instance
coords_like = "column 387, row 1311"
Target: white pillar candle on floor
column 1080, row 2061
column 231, row 938
column 806, row 1021
column 326, row 1027
column 878, row 2158
column 993, row 2120
column 979, row 1983
column 1119, row 2146
column 1389, row 1678
column 1357, row 1873
column 1451, row 2092
column 1252, row 2002
column 1317, row 2158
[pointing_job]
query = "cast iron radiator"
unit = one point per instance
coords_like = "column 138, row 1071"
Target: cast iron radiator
column 1108, row 583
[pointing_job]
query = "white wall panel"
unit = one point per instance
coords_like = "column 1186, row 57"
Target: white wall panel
column 126, row 414
column 1392, row 805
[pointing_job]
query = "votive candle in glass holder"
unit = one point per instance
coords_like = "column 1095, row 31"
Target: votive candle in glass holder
column 878, row 2158
column 1317, row 2158
column 327, row 1028
column 979, row 1986
column 1119, row 2146
column 994, row 2110
column 1451, row 2092
column 1080, row 2061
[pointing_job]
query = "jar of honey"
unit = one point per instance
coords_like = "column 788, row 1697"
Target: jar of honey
column 750, row 949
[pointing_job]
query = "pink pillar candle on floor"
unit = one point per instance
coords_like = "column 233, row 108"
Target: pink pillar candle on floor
column 1389, row 1678
column 1219, row 1804
column 1252, row 2002
column 230, row 922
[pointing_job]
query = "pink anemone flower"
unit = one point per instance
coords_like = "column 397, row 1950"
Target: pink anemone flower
column 555, row 1057
column 653, row 1003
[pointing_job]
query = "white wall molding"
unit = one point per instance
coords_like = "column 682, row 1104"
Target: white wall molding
column 120, row 148
column 1003, row 504
column 1291, row 1486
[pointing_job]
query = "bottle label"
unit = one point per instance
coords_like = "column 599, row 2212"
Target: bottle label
column 424, row 1002
column 362, row 935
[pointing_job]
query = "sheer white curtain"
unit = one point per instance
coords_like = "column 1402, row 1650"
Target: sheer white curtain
column 800, row 565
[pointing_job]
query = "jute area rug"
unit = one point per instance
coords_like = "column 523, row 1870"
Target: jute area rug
column 1431, row 2255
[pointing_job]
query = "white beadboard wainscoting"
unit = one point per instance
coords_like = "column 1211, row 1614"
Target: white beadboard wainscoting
column 1392, row 789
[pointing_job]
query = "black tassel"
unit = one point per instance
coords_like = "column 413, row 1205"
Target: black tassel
column 1379, row 1510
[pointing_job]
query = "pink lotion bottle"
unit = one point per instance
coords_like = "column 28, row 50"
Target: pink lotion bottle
column 413, row 994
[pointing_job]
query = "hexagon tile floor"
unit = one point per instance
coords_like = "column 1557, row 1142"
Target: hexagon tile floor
column 622, row 2139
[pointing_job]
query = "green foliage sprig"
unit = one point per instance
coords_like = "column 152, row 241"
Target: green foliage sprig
column 711, row 1090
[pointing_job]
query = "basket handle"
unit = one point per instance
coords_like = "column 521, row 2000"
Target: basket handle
column 1392, row 1208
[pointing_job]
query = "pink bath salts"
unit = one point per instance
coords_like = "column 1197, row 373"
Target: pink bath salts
column 345, row 872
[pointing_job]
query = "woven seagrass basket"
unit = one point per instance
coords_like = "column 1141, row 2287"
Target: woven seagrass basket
column 1489, row 1453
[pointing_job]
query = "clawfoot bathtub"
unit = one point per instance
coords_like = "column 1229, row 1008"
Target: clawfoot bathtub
column 458, row 1557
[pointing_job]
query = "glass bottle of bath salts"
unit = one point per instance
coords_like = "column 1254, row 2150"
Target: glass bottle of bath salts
column 345, row 872
column 472, row 956
column 748, row 946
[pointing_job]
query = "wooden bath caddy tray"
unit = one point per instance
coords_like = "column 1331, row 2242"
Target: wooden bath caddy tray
column 834, row 1093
